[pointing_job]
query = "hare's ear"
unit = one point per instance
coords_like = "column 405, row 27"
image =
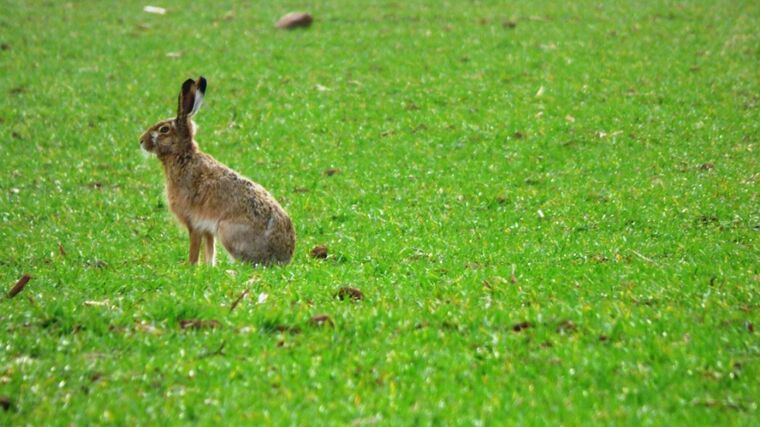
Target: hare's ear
column 191, row 97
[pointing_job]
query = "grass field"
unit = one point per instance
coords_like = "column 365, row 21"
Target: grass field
column 551, row 211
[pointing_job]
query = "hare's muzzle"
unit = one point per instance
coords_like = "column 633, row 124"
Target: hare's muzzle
column 146, row 142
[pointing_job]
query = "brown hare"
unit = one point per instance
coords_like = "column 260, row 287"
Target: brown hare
column 212, row 200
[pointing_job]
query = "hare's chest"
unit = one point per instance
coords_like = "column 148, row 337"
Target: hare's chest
column 189, row 213
column 203, row 224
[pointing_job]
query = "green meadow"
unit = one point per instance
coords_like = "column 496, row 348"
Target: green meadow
column 550, row 212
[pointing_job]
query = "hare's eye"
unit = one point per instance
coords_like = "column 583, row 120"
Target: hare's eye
column 164, row 129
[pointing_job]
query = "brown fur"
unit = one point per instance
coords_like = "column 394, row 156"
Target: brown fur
column 212, row 200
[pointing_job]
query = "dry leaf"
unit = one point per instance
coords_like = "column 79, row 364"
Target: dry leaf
column 322, row 320
column 295, row 20
column 348, row 292
column 104, row 303
column 198, row 324
column 319, row 251
column 19, row 286
column 155, row 9
column 262, row 298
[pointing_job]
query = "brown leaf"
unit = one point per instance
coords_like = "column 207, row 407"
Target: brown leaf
column 198, row 324
column 238, row 299
column 451, row 326
column 6, row 403
column 509, row 24
column 295, row 20
column 319, row 251
column 146, row 327
column 603, row 338
column 289, row 329
column 521, row 326
column 566, row 327
column 61, row 250
column 321, row 320
column 332, row 171
column 300, row 190
column 348, row 292
column 518, row 135
column 750, row 327
column 19, row 286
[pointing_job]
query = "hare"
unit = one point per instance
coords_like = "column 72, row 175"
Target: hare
column 212, row 200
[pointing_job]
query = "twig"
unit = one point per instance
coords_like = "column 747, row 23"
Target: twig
column 644, row 258
column 237, row 301
column 218, row 352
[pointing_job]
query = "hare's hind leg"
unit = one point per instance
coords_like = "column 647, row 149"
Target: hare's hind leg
column 242, row 242
column 210, row 252
column 195, row 246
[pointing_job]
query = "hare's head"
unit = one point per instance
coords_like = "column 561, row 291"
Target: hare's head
column 174, row 136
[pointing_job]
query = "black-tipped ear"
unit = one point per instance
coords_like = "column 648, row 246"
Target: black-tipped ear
column 200, row 90
column 202, row 84
column 186, row 98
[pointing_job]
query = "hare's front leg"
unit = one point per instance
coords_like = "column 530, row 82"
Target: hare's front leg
column 195, row 245
column 210, row 253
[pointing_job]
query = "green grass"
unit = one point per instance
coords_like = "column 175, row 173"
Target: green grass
column 624, row 194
